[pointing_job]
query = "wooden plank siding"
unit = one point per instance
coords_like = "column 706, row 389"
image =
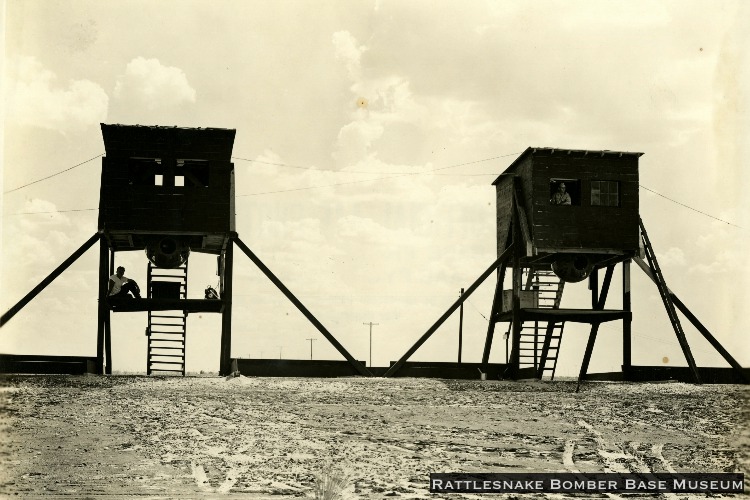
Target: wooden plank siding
column 585, row 226
column 504, row 197
column 130, row 200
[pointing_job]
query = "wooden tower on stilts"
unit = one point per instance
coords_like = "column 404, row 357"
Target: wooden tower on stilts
column 169, row 191
column 564, row 217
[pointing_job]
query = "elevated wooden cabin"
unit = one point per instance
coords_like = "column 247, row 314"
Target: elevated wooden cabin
column 601, row 219
column 167, row 181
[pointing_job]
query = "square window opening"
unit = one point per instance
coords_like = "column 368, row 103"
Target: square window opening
column 143, row 171
column 565, row 191
column 195, row 172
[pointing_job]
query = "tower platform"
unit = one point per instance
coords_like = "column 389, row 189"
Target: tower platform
column 188, row 305
column 568, row 315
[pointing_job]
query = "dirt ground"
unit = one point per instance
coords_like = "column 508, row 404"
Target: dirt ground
column 214, row 437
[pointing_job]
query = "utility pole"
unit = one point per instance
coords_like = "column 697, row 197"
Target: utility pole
column 371, row 325
column 311, row 341
column 460, row 326
column 280, row 349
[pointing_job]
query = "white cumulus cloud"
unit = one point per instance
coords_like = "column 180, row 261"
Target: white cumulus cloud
column 34, row 97
column 149, row 82
column 348, row 51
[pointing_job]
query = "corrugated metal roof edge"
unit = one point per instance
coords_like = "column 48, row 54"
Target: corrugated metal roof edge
column 164, row 127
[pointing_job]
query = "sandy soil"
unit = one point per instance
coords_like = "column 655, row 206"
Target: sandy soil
column 137, row 437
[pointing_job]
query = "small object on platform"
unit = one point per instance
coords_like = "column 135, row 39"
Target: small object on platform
column 211, row 293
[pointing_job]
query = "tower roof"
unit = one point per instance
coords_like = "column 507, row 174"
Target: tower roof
column 156, row 141
column 564, row 151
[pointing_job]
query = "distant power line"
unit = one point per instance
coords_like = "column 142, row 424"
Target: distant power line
column 301, row 167
column 390, row 175
column 55, row 211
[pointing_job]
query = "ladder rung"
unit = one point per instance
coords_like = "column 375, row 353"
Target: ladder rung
column 167, row 355
column 168, row 333
column 167, row 362
column 165, row 347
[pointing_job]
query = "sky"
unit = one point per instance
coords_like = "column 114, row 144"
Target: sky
column 368, row 136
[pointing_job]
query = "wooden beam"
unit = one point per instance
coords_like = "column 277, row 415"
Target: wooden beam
column 696, row 323
column 496, row 302
column 627, row 337
column 523, row 223
column 294, row 300
column 503, row 257
column 225, row 350
column 661, row 285
column 108, row 345
column 49, row 279
column 519, row 237
column 595, row 327
column 103, row 308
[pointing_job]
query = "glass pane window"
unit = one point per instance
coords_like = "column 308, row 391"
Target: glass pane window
column 605, row 193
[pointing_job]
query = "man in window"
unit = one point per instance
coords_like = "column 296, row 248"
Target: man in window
column 560, row 197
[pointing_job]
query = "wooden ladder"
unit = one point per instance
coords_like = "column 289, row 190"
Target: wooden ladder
column 541, row 343
column 166, row 330
column 666, row 298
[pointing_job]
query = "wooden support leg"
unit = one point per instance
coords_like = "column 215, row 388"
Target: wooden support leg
column 515, row 350
column 225, row 354
column 599, row 305
column 496, row 304
column 627, row 343
column 108, row 344
column 594, row 287
column 103, row 308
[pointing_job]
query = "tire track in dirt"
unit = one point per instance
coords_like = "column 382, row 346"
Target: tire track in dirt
column 258, row 437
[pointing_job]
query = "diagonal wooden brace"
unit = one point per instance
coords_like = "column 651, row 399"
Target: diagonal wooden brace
column 294, row 300
column 696, row 323
column 397, row 366
column 49, row 279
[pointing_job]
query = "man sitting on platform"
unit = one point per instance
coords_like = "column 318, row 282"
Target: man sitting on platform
column 119, row 285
